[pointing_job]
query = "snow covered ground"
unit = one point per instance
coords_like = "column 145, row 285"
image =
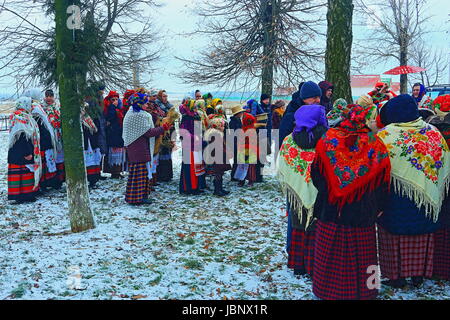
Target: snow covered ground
column 181, row 247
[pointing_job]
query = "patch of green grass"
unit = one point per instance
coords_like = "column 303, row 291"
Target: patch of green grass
column 192, row 264
column 156, row 281
column 20, row 291
column 189, row 241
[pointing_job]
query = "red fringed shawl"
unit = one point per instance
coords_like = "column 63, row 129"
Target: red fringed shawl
column 352, row 159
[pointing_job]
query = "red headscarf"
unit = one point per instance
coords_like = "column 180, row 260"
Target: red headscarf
column 126, row 96
column 107, row 103
column 352, row 159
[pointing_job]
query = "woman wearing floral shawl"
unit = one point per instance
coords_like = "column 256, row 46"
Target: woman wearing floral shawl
column 24, row 155
column 351, row 173
column 441, row 262
column 420, row 177
column 294, row 173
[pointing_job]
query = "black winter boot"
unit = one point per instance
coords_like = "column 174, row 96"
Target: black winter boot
column 225, row 192
column 218, row 188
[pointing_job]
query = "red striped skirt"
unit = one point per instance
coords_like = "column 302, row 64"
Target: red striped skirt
column 441, row 262
column 20, row 182
column 405, row 256
column 138, row 186
column 301, row 253
column 93, row 170
column 342, row 258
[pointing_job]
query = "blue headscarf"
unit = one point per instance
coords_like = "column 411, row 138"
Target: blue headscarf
column 423, row 91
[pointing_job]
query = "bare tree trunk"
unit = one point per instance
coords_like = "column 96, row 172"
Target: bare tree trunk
column 403, row 62
column 80, row 213
column 339, row 47
column 269, row 12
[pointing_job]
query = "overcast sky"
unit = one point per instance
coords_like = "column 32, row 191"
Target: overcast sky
column 176, row 17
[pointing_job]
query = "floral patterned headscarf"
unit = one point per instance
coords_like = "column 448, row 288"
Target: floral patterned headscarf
column 352, row 159
column 340, row 107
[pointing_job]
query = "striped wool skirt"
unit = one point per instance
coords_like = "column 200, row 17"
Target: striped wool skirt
column 441, row 262
column 342, row 257
column 301, row 250
column 20, row 183
column 138, row 185
column 93, row 174
column 405, row 256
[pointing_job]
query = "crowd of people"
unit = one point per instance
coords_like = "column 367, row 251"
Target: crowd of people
column 367, row 184
column 133, row 135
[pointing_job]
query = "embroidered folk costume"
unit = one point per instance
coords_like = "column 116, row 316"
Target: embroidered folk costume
column 139, row 135
column 113, row 113
column 165, row 166
column 53, row 112
column 216, row 154
column 24, row 155
column 92, row 152
column 192, row 165
column 47, row 147
column 247, row 151
column 420, row 178
column 294, row 173
column 351, row 173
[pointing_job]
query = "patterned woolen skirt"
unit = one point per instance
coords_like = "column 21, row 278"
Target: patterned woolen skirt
column 441, row 262
column 20, row 183
column 301, row 249
column 138, row 186
column 342, row 258
column 405, row 256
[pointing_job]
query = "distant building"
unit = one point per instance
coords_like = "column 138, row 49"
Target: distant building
column 285, row 91
column 363, row 84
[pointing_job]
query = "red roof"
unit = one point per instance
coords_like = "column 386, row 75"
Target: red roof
column 363, row 81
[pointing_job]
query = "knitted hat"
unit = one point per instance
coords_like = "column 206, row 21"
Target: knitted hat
column 402, row 108
column 310, row 90
column 264, row 97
